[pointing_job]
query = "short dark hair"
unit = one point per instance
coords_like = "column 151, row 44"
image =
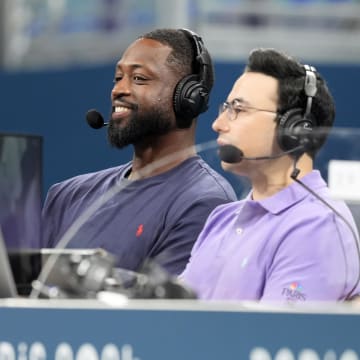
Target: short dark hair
column 291, row 94
column 182, row 58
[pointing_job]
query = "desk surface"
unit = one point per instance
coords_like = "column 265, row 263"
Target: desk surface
column 171, row 330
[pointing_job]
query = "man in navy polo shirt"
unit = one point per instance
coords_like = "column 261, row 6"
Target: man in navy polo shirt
column 161, row 85
column 288, row 240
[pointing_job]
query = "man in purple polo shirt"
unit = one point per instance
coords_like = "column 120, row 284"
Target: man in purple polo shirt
column 282, row 242
column 162, row 84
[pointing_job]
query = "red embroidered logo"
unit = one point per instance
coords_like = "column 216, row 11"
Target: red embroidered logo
column 139, row 230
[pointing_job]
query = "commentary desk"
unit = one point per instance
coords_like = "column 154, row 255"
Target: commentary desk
column 175, row 330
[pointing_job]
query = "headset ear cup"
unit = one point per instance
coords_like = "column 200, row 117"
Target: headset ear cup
column 190, row 99
column 294, row 130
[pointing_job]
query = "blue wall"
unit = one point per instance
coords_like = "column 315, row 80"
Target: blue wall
column 53, row 104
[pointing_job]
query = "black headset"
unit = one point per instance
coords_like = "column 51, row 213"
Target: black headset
column 295, row 127
column 191, row 94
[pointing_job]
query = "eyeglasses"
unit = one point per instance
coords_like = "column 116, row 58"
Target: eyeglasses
column 236, row 106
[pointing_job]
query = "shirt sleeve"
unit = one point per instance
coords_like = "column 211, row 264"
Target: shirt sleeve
column 173, row 250
column 51, row 216
column 310, row 262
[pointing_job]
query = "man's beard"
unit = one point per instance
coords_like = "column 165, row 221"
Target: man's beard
column 139, row 127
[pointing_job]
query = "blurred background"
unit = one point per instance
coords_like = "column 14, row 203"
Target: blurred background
column 57, row 61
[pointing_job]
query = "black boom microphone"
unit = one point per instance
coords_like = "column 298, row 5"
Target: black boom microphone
column 95, row 119
column 231, row 154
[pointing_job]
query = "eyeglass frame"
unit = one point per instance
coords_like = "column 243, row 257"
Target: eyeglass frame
column 229, row 107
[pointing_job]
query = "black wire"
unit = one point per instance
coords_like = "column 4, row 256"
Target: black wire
column 294, row 175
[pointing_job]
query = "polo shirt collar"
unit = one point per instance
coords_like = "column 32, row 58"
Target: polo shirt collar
column 290, row 195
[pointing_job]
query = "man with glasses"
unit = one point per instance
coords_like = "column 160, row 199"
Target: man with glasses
column 287, row 241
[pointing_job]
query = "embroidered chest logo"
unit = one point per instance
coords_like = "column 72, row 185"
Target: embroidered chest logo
column 139, row 230
column 294, row 292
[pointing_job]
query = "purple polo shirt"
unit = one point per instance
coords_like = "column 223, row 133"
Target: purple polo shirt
column 288, row 247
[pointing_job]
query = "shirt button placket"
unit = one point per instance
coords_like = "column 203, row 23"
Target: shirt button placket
column 239, row 230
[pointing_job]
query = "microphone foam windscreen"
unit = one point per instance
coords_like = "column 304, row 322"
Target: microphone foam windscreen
column 95, row 119
column 230, row 154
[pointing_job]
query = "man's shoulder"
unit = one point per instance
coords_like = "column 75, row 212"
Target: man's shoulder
column 206, row 179
column 88, row 179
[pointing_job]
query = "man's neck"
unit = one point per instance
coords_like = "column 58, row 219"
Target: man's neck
column 274, row 180
column 161, row 154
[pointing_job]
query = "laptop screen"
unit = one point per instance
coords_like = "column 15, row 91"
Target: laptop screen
column 21, row 190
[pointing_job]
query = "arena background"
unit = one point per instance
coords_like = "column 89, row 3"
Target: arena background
column 57, row 61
